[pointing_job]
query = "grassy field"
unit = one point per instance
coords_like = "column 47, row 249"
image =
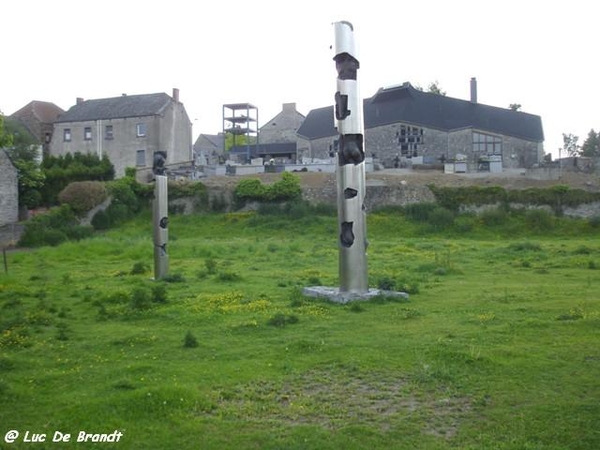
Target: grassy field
column 498, row 346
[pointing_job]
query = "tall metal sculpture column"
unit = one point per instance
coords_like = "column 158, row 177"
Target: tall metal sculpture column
column 351, row 165
column 160, row 218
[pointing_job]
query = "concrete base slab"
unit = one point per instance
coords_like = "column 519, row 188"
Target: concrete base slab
column 333, row 294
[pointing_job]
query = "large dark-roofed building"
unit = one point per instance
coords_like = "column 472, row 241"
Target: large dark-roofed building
column 404, row 122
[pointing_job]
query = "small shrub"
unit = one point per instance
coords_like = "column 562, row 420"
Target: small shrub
column 314, row 281
column 174, row 278
column 583, row 250
column 494, row 217
column 297, row 299
column 140, row 299
column 525, row 246
column 248, row 190
column 82, row 196
column 419, row 212
column 228, row 276
column 386, row 284
column 101, row 220
column 441, row 219
column 63, row 331
column 52, row 228
column 190, row 341
column 139, row 268
column 594, row 222
column 159, row 293
column 186, row 188
column 124, row 385
column 356, row 307
column 539, row 220
column 281, row 320
column 117, row 213
column 211, row 266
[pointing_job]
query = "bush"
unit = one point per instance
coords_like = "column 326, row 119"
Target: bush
column 248, row 190
column 453, row 198
column 190, row 341
column 281, row 320
column 159, row 293
column 53, row 228
column 101, row 220
column 441, row 219
column 186, row 188
column 539, row 220
column 82, row 196
column 62, row 170
column 494, row 217
column 419, row 212
column 140, row 299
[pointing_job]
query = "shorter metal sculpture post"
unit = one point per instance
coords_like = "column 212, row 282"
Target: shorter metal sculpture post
column 351, row 165
column 160, row 218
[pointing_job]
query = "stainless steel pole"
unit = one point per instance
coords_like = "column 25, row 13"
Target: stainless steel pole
column 351, row 165
column 161, row 231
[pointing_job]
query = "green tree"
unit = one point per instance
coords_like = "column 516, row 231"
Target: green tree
column 434, row 88
column 5, row 137
column 62, row 170
column 514, row 106
column 240, row 139
column 570, row 144
column 24, row 152
column 591, row 146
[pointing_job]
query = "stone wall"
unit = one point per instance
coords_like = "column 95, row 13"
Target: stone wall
column 9, row 191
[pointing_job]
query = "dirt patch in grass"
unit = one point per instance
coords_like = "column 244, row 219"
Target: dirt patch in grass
column 335, row 399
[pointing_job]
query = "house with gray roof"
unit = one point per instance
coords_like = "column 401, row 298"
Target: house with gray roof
column 129, row 129
column 282, row 128
column 208, row 148
column 38, row 118
column 404, row 123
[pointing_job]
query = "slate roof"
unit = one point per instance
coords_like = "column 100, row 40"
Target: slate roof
column 117, row 107
column 408, row 105
column 45, row 112
column 213, row 140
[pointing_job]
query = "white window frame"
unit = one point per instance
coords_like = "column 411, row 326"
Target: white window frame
column 141, row 129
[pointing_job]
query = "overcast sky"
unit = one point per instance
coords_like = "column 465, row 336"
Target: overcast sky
column 543, row 55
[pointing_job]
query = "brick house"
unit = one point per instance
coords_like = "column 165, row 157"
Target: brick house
column 129, row 129
column 38, row 118
column 9, row 190
column 405, row 123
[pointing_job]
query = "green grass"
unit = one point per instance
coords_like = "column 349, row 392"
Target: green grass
column 498, row 346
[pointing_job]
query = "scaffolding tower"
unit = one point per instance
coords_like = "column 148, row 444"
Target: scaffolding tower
column 241, row 119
